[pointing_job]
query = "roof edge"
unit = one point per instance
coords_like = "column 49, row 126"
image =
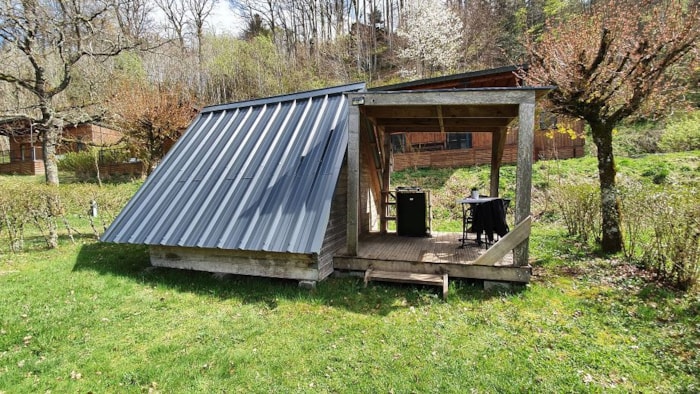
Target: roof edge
column 358, row 86
column 451, row 77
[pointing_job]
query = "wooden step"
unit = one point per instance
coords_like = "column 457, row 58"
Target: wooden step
column 409, row 277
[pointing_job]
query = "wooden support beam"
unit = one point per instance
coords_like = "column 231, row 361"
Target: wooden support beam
column 504, row 273
column 353, row 157
column 440, row 119
column 448, row 111
column 463, row 123
column 386, row 180
column 523, row 188
column 409, row 277
column 457, row 97
column 498, row 144
column 504, row 245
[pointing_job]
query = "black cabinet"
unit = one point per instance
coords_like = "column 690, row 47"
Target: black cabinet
column 411, row 212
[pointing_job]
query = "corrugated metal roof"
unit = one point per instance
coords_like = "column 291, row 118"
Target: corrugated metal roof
column 255, row 175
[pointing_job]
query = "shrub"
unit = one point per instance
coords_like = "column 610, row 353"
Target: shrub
column 580, row 208
column 638, row 139
column 674, row 250
column 13, row 216
column 31, row 211
column 81, row 163
column 682, row 134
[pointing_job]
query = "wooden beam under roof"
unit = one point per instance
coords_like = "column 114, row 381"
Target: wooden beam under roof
column 447, row 123
column 448, row 111
column 440, row 120
column 466, row 97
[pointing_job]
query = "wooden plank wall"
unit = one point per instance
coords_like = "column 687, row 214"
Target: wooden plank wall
column 561, row 147
column 336, row 232
column 451, row 158
column 239, row 262
column 35, row 167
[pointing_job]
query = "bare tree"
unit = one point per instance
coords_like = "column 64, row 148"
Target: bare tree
column 43, row 42
column 153, row 117
column 134, row 17
column 606, row 65
column 199, row 11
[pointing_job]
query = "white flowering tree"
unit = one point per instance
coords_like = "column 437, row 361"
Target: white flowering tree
column 433, row 36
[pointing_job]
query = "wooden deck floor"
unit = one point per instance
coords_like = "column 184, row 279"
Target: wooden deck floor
column 438, row 248
column 437, row 254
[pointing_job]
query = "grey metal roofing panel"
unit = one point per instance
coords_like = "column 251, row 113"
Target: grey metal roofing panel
column 255, row 175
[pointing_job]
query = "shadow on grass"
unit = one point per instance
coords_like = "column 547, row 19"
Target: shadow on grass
column 132, row 261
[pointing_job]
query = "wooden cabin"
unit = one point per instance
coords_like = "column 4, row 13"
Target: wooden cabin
column 296, row 187
column 25, row 153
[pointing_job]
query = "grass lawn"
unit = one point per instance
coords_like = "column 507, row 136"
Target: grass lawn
column 95, row 317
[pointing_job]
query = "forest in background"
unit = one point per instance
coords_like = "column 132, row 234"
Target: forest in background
column 283, row 46
column 148, row 66
column 139, row 61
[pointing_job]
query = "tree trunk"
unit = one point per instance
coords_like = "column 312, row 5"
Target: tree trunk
column 610, row 204
column 49, row 143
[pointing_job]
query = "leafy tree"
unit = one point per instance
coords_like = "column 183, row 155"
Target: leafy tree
column 433, row 36
column 43, row 42
column 152, row 117
column 608, row 63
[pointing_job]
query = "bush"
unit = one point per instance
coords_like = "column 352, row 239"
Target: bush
column 81, row 163
column 674, row 251
column 580, row 208
column 662, row 230
column 682, row 134
column 638, row 139
column 30, row 211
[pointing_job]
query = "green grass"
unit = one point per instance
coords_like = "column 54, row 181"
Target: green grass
column 94, row 317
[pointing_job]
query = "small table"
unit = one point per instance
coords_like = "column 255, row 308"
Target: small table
column 465, row 212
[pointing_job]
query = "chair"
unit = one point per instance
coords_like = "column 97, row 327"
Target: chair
column 490, row 218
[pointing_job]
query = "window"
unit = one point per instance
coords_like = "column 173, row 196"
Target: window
column 459, row 140
column 398, row 143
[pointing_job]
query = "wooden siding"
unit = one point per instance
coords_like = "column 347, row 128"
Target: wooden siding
column 336, row 232
column 451, row 158
column 561, row 147
column 239, row 262
column 122, row 169
column 88, row 134
column 29, row 167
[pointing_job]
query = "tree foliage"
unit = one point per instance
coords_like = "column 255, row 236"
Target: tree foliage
column 43, row 43
column 606, row 65
column 432, row 33
column 152, row 117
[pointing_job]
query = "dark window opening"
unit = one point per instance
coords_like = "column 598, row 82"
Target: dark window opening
column 459, row 140
column 398, row 143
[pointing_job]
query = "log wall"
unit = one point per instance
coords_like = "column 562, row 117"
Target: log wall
column 336, row 232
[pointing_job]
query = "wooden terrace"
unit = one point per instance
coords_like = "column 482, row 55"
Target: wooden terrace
column 438, row 254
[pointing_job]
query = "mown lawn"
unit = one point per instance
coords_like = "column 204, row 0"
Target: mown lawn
column 95, row 317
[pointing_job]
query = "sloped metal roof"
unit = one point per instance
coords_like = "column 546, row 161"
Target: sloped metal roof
column 256, row 175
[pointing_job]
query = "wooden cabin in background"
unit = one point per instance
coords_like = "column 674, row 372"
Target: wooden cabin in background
column 24, row 153
column 456, row 146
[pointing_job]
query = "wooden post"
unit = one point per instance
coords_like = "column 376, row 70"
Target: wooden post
column 386, row 177
column 526, row 136
column 353, row 179
column 498, row 143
